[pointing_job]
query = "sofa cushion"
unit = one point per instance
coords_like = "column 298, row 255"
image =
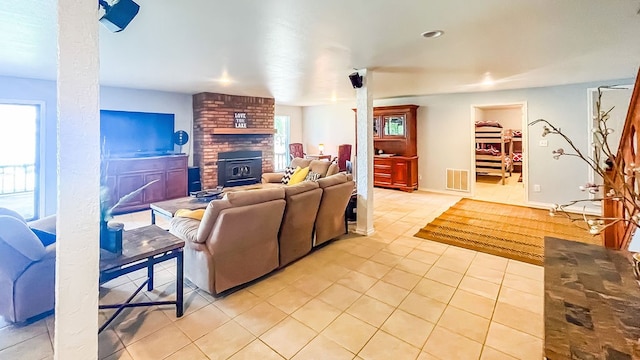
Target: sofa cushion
column 303, row 163
column 288, row 171
column 300, row 188
column 185, row 228
column 18, row 235
column 46, row 224
column 9, row 212
column 320, row 167
column 244, row 198
column 298, row 176
column 332, row 170
column 332, row 180
column 233, row 199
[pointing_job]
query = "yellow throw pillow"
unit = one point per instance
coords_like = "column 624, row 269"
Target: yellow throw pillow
column 191, row 214
column 298, row 176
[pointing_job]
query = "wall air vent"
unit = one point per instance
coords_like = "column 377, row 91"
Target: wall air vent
column 457, row 179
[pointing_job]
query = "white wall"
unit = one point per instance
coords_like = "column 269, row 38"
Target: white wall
column 295, row 121
column 509, row 118
column 331, row 125
column 44, row 92
column 153, row 101
column 445, row 134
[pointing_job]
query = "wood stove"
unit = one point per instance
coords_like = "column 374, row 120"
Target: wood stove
column 237, row 168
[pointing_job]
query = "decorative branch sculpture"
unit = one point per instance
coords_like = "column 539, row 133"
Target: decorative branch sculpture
column 618, row 184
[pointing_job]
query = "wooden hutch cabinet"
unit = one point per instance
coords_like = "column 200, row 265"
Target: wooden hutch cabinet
column 124, row 175
column 395, row 164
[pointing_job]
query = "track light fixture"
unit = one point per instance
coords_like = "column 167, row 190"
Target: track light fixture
column 117, row 16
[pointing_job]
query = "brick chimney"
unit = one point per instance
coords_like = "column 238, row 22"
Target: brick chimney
column 217, row 111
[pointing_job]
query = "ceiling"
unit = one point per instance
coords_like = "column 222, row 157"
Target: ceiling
column 300, row 52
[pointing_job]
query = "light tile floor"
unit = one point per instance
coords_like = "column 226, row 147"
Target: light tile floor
column 490, row 188
column 389, row 295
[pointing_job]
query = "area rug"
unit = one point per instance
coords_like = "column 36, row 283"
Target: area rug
column 511, row 231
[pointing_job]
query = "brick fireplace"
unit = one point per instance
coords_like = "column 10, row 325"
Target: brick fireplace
column 214, row 131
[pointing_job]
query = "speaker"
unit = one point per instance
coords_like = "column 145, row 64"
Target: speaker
column 118, row 15
column 193, row 179
column 356, row 80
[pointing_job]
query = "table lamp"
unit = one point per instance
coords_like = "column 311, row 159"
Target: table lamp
column 321, row 148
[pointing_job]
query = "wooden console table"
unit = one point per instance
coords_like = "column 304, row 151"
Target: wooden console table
column 591, row 302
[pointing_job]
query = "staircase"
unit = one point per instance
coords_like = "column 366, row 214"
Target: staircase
column 619, row 233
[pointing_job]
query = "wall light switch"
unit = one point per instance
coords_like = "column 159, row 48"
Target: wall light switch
column 536, row 188
column 544, row 142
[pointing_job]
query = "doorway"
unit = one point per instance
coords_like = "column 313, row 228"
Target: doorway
column 499, row 157
column 281, row 142
column 19, row 158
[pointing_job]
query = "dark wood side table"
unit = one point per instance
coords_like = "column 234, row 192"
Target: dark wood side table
column 143, row 248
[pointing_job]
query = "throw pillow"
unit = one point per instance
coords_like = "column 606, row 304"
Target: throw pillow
column 191, row 214
column 312, row 176
column 288, row 171
column 299, row 176
column 45, row 238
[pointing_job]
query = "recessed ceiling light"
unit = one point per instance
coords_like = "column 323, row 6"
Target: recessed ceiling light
column 432, row 34
column 224, row 79
column 487, row 79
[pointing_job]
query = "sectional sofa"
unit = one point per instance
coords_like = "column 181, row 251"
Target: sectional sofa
column 248, row 234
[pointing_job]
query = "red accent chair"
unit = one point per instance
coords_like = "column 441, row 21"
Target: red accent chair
column 296, row 151
column 344, row 155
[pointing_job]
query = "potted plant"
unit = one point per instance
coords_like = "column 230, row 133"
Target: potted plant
column 111, row 234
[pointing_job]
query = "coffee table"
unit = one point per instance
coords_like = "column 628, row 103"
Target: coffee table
column 168, row 208
column 143, row 248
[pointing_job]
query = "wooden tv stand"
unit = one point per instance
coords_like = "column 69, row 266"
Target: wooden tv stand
column 125, row 175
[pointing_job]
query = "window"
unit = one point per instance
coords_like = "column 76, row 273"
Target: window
column 281, row 142
column 19, row 158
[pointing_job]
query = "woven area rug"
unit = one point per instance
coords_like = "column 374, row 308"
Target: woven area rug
column 511, row 231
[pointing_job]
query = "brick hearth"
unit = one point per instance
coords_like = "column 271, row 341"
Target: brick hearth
column 212, row 111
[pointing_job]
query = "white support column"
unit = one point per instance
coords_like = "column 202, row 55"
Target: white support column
column 364, row 165
column 77, row 249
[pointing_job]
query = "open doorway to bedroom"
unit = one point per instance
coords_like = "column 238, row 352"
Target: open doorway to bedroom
column 499, row 153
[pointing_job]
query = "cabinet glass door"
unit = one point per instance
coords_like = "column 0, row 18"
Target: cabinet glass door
column 394, row 126
column 376, row 126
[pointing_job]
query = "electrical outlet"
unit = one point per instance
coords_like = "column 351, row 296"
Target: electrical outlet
column 536, row 188
column 544, row 142
column 419, row 177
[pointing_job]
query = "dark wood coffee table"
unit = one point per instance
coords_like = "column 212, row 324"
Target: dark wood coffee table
column 168, row 208
column 143, row 248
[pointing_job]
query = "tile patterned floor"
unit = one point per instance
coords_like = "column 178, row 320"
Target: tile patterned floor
column 490, row 188
column 385, row 296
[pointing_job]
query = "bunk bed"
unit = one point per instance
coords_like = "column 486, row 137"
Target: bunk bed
column 494, row 150
column 517, row 152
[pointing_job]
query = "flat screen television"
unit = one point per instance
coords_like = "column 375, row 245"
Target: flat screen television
column 130, row 134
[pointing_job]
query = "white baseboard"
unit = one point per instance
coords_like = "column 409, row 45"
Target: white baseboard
column 447, row 192
column 365, row 232
column 572, row 209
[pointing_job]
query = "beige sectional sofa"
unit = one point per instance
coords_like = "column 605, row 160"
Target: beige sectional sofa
column 248, row 234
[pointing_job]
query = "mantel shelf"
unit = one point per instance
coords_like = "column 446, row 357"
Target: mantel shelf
column 245, row 131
